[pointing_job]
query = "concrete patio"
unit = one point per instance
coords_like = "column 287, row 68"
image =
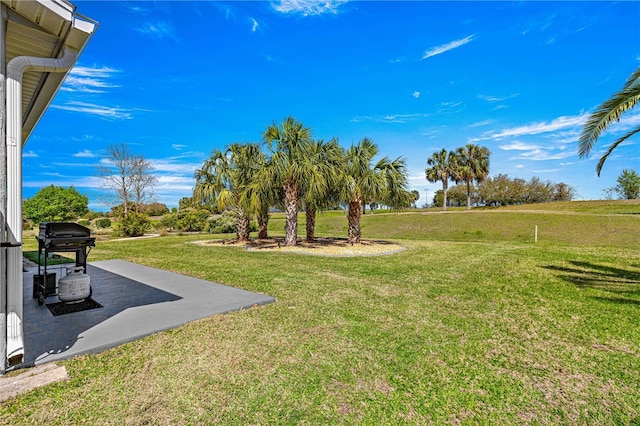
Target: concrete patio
column 136, row 301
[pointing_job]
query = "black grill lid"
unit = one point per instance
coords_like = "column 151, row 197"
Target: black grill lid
column 62, row 229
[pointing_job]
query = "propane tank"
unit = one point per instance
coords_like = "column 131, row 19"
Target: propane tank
column 75, row 287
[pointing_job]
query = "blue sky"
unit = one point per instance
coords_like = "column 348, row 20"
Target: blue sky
column 175, row 80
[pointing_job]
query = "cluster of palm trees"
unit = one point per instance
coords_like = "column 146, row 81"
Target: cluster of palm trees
column 466, row 164
column 299, row 173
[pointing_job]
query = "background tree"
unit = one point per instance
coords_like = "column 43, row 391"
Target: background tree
column 609, row 112
column 55, row 204
column 441, row 166
column 472, row 165
column 628, row 187
column 127, row 176
column 416, row 197
column 288, row 168
column 458, row 195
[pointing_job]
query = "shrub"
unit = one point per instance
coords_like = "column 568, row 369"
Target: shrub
column 227, row 223
column 188, row 220
column 192, row 220
column 132, row 225
column 155, row 209
column 84, row 222
column 102, row 223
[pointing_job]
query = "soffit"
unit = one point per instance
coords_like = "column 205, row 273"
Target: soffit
column 41, row 28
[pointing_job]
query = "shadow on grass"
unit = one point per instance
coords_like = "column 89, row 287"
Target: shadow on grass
column 622, row 283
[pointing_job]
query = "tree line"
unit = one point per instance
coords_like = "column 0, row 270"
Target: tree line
column 502, row 190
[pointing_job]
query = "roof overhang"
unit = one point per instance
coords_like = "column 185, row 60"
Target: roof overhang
column 42, row 28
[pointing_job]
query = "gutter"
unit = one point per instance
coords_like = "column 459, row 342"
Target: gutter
column 15, row 70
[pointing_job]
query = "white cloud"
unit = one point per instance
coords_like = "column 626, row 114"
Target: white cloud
column 481, row 123
column 490, row 98
column 178, row 147
column 29, row 154
column 308, row 7
column 446, row 47
column 519, row 146
column 115, row 113
column 254, row 25
column 89, row 80
column 554, row 125
column 85, row 154
column 158, row 30
column 416, row 94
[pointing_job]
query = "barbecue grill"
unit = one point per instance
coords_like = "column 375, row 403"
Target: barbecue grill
column 60, row 237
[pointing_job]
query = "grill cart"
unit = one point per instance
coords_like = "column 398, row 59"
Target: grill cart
column 60, row 237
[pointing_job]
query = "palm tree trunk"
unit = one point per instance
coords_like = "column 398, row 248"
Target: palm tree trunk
column 354, row 221
column 444, row 201
column 291, row 214
column 263, row 222
column 468, row 195
column 242, row 226
column 310, row 215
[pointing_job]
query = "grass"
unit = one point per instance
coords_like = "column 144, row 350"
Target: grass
column 463, row 327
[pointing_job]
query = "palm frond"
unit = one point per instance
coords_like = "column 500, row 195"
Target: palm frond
column 608, row 112
column 613, row 146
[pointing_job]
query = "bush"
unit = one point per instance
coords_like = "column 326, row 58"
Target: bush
column 105, row 222
column 192, row 220
column 155, row 209
column 227, row 223
column 84, row 222
column 188, row 220
column 132, row 225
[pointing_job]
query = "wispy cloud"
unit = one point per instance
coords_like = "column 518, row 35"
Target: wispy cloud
column 254, row 25
column 490, row 98
column 29, row 154
column 519, row 146
column 416, row 94
column 555, row 125
column 85, row 154
column 308, row 7
column 391, row 118
column 115, row 113
column 159, row 30
column 481, row 123
column 178, row 147
column 533, row 152
column 89, row 79
column 447, row 46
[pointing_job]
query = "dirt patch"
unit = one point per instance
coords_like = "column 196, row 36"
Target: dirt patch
column 319, row 247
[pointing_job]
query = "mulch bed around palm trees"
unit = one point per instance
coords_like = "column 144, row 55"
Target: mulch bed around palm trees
column 319, row 247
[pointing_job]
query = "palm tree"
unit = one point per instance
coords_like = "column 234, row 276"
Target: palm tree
column 318, row 192
column 472, row 164
column 360, row 181
column 606, row 114
column 225, row 176
column 442, row 164
column 288, row 168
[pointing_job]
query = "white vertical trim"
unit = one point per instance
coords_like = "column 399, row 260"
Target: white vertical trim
column 3, row 191
column 15, row 69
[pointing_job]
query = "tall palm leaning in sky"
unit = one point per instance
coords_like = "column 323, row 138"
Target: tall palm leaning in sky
column 472, row 164
column 607, row 113
column 288, row 168
column 441, row 164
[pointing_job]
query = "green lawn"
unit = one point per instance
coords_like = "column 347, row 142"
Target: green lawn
column 473, row 323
